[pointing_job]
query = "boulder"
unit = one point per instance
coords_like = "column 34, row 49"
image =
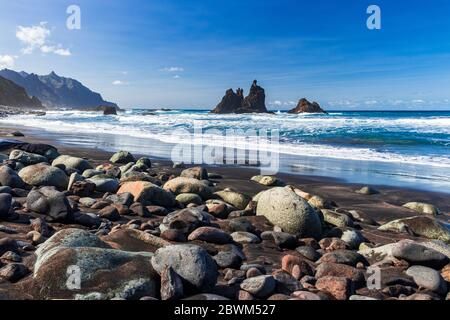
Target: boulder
column 188, row 185
column 422, row 226
column 236, row 199
column 70, row 162
column 44, row 175
column 122, row 157
column 196, row 173
column 5, row 205
column 339, row 220
column 245, row 237
column 104, row 184
column 417, row 254
column 171, row 285
column 187, row 198
column 10, row 178
column 75, row 262
column 427, row 278
column 347, row 257
column 425, row 208
column 340, row 288
column 26, row 158
column 51, row 202
column 285, row 209
column 192, row 263
column 185, row 220
column 148, row 193
column 340, row 270
column 210, row 234
column 260, row 286
column 304, row 106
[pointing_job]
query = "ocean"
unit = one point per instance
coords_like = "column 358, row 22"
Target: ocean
column 397, row 148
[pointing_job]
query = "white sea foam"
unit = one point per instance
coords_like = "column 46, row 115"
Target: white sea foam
column 162, row 126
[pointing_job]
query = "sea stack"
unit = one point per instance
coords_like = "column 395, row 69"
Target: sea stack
column 234, row 102
column 304, row 106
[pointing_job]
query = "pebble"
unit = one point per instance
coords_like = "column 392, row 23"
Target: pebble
column 260, row 286
column 245, row 237
column 210, row 234
column 340, row 288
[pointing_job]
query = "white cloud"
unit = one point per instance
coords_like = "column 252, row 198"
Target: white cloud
column 176, row 76
column 277, row 103
column 62, row 52
column 6, row 61
column 33, row 37
column 173, row 69
column 117, row 83
column 36, row 37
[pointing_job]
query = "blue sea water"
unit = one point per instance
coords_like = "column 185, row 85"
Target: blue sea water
column 401, row 148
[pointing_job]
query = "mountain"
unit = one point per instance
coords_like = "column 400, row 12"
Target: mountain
column 55, row 91
column 12, row 95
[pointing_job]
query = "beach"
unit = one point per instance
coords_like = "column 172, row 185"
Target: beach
column 248, row 251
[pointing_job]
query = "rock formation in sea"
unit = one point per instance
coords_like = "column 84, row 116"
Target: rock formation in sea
column 12, row 95
column 107, row 110
column 234, row 102
column 55, row 91
column 304, row 106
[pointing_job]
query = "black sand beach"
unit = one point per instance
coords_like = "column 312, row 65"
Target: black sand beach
column 269, row 267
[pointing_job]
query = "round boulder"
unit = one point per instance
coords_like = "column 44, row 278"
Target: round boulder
column 285, row 209
column 44, row 175
column 194, row 265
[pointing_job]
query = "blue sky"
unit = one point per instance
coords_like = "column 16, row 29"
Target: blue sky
column 185, row 53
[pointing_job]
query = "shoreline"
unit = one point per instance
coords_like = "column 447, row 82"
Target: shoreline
column 348, row 172
column 239, row 176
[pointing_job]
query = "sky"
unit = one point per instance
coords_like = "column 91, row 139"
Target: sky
column 186, row 53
